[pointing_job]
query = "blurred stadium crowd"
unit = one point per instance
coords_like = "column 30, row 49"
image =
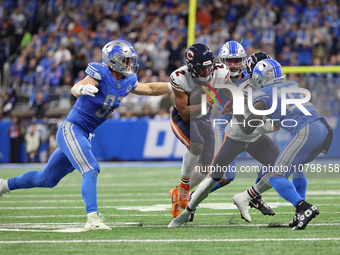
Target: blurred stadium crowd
column 45, row 46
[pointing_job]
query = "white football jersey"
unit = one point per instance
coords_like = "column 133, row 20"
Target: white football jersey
column 181, row 79
column 233, row 130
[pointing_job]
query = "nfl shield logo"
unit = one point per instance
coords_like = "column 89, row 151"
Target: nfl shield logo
column 118, row 86
column 269, row 73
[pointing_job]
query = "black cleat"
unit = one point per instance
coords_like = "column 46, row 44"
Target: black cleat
column 294, row 221
column 262, row 206
column 305, row 216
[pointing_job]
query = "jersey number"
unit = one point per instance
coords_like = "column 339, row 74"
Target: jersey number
column 106, row 108
column 178, row 73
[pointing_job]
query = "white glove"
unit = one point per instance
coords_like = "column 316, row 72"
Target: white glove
column 87, row 90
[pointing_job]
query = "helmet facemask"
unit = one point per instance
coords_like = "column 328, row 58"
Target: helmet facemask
column 236, row 65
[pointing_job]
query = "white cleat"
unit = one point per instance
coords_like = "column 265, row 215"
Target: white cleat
column 95, row 222
column 180, row 219
column 3, row 187
column 242, row 203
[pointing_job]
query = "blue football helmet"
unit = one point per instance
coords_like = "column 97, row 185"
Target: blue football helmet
column 267, row 72
column 200, row 61
column 233, row 55
column 121, row 57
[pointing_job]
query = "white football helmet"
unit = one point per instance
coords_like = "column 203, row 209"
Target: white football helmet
column 233, row 55
column 121, row 57
column 267, row 72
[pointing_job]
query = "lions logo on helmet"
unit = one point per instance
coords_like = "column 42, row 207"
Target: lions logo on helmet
column 233, row 55
column 121, row 57
column 200, row 61
column 267, row 72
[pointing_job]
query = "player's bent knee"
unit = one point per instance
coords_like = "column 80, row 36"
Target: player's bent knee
column 196, row 148
column 216, row 176
column 224, row 182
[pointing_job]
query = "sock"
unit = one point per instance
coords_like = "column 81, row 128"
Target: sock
column 29, row 179
column 252, row 192
column 188, row 164
column 285, row 189
column 89, row 191
column 184, row 180
column 217, row 186
column 263, row 184
column 300, row 186
column 201, row 192
column 195, row 178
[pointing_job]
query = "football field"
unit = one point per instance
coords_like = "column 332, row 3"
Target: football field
column 134, row 199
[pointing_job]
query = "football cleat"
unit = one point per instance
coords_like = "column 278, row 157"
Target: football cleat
column 294, row 221
column 95, row 222
column 261, row 205
column 180, row 220
column 183, row 195
column 242, row 203
column 3, row 187
column 305, row 216
column 175, row 209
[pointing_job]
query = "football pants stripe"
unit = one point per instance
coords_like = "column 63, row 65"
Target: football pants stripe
column 224, row 140
column 66, row 135
column 83, row 160
column 294, row 147
column 179, row 133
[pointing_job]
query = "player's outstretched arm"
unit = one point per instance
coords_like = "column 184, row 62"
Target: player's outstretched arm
column 152, row 89
column 87, row 86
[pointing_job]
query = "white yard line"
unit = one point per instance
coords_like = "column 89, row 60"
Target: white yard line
column 268, row 199
column 140, row 215
column 64, row 227
column 175, row 240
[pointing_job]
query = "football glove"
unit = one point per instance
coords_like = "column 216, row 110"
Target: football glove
column 88, row 90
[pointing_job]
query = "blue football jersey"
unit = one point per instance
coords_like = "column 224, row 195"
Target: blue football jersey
column 265, row 94
column 89, row 112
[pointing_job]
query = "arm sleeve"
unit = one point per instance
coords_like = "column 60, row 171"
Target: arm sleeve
column 93, row 70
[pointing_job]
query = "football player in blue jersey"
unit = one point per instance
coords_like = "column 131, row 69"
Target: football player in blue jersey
column 310, row 135
column 99, row 93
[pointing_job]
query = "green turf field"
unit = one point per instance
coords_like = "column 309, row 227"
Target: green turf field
column 135, row 203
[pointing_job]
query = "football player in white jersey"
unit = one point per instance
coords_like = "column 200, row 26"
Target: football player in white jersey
column 258, row 145
column 189, row 123
column 233, row 55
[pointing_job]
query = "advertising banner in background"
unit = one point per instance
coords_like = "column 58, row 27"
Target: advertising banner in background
column 148, row 139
